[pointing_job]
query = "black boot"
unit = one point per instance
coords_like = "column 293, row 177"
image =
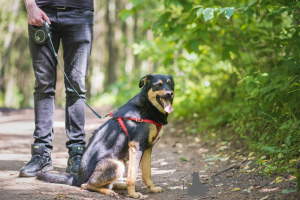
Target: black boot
column 75, row 158
column 38, row 162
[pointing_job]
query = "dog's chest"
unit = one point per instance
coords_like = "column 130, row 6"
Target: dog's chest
column 152, row 134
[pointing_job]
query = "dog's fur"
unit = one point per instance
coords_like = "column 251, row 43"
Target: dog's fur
column 109, row 148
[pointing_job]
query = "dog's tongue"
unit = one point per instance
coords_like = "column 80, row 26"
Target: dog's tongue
column 167, row 106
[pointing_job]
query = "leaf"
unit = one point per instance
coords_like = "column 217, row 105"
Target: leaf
column 263, row 157
column 125, row 14
column 199, row 12
column 211, row 159
column 286, row 191
column 279, row 179
column 208, row 13
column 229, row 12
column 137, row 2
column 270, row 149
column 224, row 159
column 184, row 159
column 147, row 24
column 298, row 4
column 199, row 6
column 248, row 189
column 221, row 11
column 197, row 140
column 236, row 189
column 252, row 3
column 266, row 197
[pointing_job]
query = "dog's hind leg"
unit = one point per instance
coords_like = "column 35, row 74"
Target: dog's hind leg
column 105, row 174
column 120, row 184
column 146, row 171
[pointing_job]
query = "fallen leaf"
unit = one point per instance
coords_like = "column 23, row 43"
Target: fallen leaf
column 286, row 191
column 211, row 159
column 250, row 154
column 175, row 188
column 263, row 157
column 278, row 179
column 248, row 189
column 184, row 159
column 225, row 159
column 266, row 197
column 236, row 189
column 293, row 160
column 197, row 140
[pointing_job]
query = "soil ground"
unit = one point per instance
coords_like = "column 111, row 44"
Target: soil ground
column 178, row 163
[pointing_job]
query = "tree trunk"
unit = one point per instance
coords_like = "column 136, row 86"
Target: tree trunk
column 112, row 56
column 7, row 42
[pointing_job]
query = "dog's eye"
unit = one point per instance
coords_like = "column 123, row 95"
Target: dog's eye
column 171, row 84
column 158, row 85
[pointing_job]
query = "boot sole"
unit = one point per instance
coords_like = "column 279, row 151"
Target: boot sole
column 33, row 174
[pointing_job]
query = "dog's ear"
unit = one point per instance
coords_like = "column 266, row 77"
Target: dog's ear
column 145, row 79
column 171, row 78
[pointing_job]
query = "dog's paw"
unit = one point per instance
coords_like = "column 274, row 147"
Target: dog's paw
column 136, row 195
column 84, row 186
column 112, row 193
column 155, row 190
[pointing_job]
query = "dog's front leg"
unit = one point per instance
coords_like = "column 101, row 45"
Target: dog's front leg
column 135, row 155
column 146, row 171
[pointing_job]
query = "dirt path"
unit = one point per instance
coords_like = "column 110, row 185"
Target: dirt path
column 174, row 160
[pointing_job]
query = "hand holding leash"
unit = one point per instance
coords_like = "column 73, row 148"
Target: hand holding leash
column 35, row 15
column 41, row 34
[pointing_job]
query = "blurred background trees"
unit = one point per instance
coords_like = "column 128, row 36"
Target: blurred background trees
column 236, row 65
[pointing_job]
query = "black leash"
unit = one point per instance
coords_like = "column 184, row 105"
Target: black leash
column 41, row 36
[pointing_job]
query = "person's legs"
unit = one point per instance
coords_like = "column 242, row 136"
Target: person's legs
column 77, row 37
column 44, row 66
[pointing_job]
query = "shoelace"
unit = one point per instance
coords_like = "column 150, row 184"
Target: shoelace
column 35, row 159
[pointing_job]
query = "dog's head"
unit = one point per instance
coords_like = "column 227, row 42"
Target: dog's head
column 159, row 90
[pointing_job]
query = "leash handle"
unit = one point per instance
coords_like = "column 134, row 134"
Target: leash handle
column 71, row 83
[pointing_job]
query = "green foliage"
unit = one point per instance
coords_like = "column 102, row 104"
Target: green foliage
column 236, row 64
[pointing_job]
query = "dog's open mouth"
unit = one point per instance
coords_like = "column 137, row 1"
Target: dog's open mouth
column 165, row 103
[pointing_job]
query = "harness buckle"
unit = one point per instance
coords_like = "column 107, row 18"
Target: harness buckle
column 138, row 120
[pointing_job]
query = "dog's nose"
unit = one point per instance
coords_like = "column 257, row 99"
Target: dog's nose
column 169, row 93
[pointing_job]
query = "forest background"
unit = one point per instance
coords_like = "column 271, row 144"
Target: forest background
column 235, row 62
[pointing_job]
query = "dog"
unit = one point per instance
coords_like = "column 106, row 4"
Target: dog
column 128, row 136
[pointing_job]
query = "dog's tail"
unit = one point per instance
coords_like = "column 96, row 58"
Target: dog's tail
column 59, row 178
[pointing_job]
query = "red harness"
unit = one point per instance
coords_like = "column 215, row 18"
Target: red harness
column 159, row 126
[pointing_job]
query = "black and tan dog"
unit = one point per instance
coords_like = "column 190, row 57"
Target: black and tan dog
column 128, row 135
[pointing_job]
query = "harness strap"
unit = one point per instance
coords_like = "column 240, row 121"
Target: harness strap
column 158, row 125
column 123, row 127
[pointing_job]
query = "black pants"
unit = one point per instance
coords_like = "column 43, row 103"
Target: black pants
column 74, row 27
